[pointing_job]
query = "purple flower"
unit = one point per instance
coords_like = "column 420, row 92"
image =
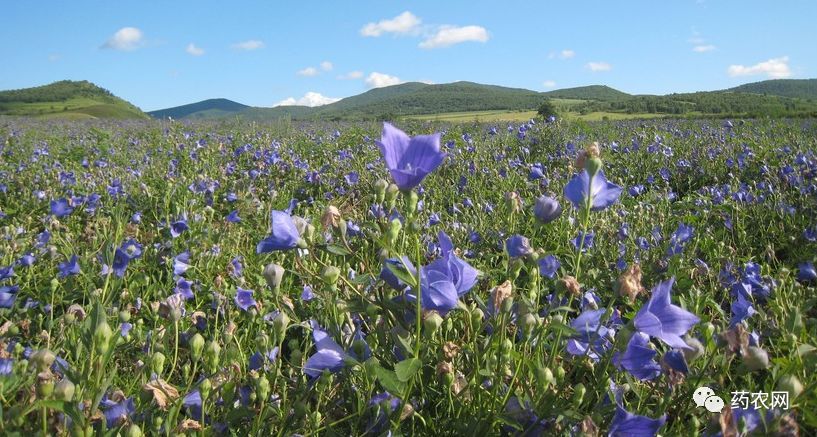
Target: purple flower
column 26, row 260
column 177, row 227
column 120, row 262
column 583, row 241
column 117, row 412
column 6, row 366
column 674, row 359
column 463, row 275
column 192, row 401
column 546, row 209
column 602, row 193
column 518, row 246
column 185, row 288
column 661, row 319
column 329, row 355
column 626, row 424
column 285, row 235
column 390, row 278
column 806, row 272
column 679, row 239
column 124, row 328
column 548, row 266
column 70, row 267
column 6, row 272
column 232, row 217
column 244, row 299
column 61, row 208
column 409, row 160
column 307, row 294
column 438, row 289
column 8, row 293
column 742, row 308
column 259, row 360
column 591, row 336
column 638, row 358
column 181, row 263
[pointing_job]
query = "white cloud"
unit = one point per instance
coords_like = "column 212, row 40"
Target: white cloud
column 703, row 48
column 449, row 35
column 327, row 66
column 54, row 57
column 310, row 99
column 351, row 75
column 403, row 23
column 549, row 83
column 599, row 66
column 308, row 72
column 126, row 38
column 194, row 50
column 378, row 80
column 563, row 54
column 252, row 44
column 776, row 68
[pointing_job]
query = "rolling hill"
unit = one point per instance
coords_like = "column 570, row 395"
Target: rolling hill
column 203, row 109
column 792, row 88
column 67, row 99
column 601, row 93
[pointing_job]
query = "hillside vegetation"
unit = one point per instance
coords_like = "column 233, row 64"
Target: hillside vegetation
column 67, row 99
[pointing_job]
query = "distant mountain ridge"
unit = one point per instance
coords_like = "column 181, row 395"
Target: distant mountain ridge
column 83, row 99
column 67, row 99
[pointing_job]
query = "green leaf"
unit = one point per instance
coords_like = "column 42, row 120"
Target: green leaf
column 566, row 330
column 337, row 250
column 389, row 381
column 67, row 408
column 362, row 279
column 402, row 274
column 406, row 369
column 805, row 349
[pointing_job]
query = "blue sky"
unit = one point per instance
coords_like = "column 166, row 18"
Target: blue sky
column 158, row 54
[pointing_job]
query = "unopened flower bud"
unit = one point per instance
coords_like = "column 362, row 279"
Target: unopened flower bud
column 45, row 386
column 280, row 324
column 380, row 187
column 102, row 336
column 391, row 194
column 593, row 165
column 64, row 391
column 43, row 359
column 546, row 209
column 133, row 431
column 196, row 346
column 330, row 275
column 790, row 384
column 157, row 362
column 394, row 232
column 273, row 274
column 578, row 394
column 411, row 202
column 756, row 358
column 211, row 355
column 205, row 387
column 432, row 322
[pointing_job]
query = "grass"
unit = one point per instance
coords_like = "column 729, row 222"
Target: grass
column 74, row 109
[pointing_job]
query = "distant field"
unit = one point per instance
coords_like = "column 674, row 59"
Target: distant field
column 487, row 116
column 78, row 108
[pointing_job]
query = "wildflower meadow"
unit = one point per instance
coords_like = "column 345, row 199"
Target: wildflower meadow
column 551, row 277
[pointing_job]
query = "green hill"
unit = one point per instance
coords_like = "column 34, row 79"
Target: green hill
column 204, row 109
column 601, row 93
column 67, row 99
column 793, row 88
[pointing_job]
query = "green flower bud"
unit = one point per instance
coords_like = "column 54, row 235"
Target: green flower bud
column 528, row 323
column 411, row 202
column 211, row 355
column 45, row 387
column 432, row 323
column 791, row 384
column 756, row 358
column 380, row 187
column 157, row 362
column 102, row 337
column 273, row 274
column 43, row 359
column 263, row 388
column 391, row 194
column 124, row 316
column 280, row 324
column 708, row 330
column 228, row 392
column 545, row 376
column 560, row 373
column 372, row 310
column 330, row 275
column 578, row 394
column 205, row 387
column 196, row 346
column 477, row 316
column 592, row 165
column 134, row 431
column 64, row 391
column 395, row 226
